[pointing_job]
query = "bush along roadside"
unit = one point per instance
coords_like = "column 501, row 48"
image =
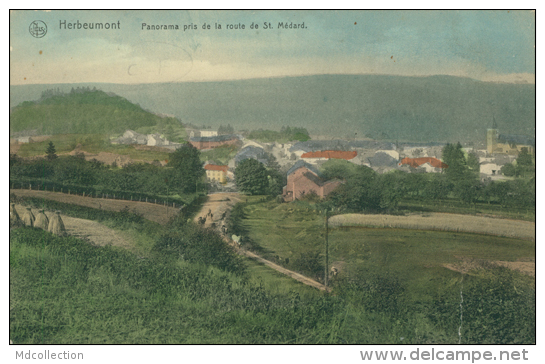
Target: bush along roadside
column 192, row 243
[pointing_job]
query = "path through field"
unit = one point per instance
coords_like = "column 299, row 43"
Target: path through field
column 215, row 210
column 86, row 229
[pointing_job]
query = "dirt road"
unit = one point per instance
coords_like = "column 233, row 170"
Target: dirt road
column 298, row 277
column 156, row 213
column 216, row 207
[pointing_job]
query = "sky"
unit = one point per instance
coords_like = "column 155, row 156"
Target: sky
column 497, row 46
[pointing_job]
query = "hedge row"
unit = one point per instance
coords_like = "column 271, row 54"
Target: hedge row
column 95, row 191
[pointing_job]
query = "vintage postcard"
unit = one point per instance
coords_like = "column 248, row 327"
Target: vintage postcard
column 273, row 177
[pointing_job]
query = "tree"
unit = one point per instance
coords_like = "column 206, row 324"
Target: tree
column 187, row 168
column 473, row 162
column 338, row 168
column 272, row 162
column 50, row 152
column 225, row 130
column 360, row 192
column 468, row 191
column 391, row 190
column 508, row 170
column 251, row 177
column 524, row 158
column 276, row 180
column 465, row 180
column 524, row 163
column 13, row 160
column 437, row 188
column 169, row 132
column 453, row 156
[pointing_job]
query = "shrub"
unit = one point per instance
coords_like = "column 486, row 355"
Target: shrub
column 234, row 221
column 192, row 243
column 310, row 263
column 376, row 293
column 498, row 309
column 311, row 197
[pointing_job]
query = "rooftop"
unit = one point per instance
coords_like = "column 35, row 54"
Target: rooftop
column 213, row 167
column 301, row 163
column 335, row 154
column 417, row 162
column 343, row 145
column 217, row 138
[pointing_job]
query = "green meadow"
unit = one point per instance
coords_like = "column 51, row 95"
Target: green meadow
column 299, row 232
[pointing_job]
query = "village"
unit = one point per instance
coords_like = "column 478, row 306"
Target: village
column 300, row 161
column 297, row 159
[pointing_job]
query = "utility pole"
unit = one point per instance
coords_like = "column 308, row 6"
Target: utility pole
column 326, row 277
column 166, row 182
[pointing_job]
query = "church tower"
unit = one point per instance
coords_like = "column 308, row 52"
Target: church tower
column 492, row 137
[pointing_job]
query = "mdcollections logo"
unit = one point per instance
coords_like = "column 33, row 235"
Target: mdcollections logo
column 38, row 29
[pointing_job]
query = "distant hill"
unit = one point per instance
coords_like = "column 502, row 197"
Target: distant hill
column 80, row 111
column 416, row 109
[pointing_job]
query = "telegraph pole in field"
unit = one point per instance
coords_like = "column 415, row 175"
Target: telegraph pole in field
column 326, row 277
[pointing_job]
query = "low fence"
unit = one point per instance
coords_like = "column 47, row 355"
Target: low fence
column 86, row 191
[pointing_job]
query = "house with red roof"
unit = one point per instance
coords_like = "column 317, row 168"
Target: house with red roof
column 426, row 164
column 314, row 157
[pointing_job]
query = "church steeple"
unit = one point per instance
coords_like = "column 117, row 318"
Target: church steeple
column 494, row 125
column 492, row 136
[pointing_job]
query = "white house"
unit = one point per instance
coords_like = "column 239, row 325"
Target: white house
column 24, row 140
column 133, row 138
column 156, row 140
column 209, row 133
column 428, row 168
column 491, row 169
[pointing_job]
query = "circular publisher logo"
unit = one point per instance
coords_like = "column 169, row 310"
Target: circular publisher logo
column 38, row 29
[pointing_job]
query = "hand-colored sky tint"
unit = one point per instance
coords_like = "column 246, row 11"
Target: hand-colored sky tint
column 484, row 45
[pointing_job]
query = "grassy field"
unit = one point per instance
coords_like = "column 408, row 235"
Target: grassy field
column 417, row 257
column 290, row 234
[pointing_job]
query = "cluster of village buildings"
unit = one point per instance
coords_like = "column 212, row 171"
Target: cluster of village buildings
column 152, row 140
column 301, row 160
